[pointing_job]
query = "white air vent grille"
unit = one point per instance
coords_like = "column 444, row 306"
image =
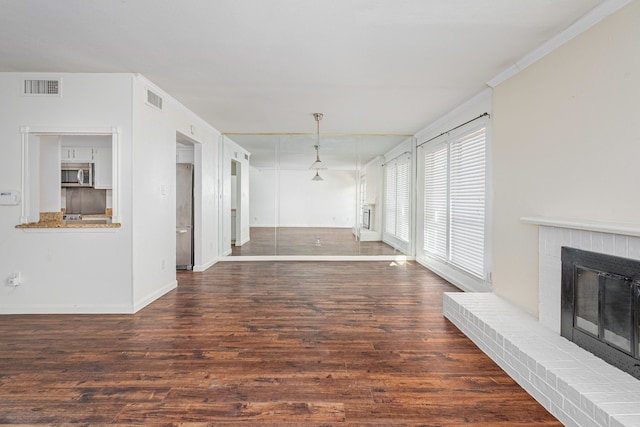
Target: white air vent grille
column 41, row 87
column 154, row 99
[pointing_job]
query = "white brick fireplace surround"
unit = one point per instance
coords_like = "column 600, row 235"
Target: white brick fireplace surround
column 577, row 387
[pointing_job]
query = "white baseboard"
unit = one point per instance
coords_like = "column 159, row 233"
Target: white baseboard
column 67, row 309
column 395, row 258
column 457, row 278
column 299, row 226
column 370, row 236
column 143, row 302
column 205, row 266
column 88, row 308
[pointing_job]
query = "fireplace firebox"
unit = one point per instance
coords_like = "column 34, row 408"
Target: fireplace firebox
column 600, row 306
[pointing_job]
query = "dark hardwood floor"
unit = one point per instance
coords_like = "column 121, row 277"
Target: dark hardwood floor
column 313, row 241
column 265, row 344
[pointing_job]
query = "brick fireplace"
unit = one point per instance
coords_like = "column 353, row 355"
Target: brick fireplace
column 577, row 387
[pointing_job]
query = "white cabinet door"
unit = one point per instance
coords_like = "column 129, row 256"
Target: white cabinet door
column 66, row 154
column 102, row 168
column 76, row 154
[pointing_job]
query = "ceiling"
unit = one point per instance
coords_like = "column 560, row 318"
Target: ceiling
column 258, row 66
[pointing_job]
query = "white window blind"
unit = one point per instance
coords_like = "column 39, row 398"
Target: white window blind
column 363, row 197
column 454, row 201
column 397, row 198
column 403, row 212
column 467, row 193
column 390, row 199
column 436, row 202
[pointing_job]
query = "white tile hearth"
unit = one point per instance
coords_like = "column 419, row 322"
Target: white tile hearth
column 577, row 387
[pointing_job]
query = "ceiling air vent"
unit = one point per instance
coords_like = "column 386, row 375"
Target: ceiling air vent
column 41, row 87
column 154, row 99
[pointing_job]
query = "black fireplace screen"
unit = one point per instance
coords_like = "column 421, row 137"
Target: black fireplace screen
column 366, row 217
column 600, row 304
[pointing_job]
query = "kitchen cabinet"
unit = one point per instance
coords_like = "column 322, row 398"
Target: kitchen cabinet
column 76, row 154
column 102, row 168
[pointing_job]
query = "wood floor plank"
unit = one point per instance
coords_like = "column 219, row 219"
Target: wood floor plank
column 325, row 412
column 261, row 343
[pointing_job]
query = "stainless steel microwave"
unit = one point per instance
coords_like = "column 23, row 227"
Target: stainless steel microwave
column 76, row 174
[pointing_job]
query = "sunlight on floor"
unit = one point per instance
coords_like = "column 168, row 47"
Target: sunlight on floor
column 399, row 261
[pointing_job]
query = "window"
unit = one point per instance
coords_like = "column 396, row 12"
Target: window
column 363, row 199
column 397, row 198
column 43, row 150
column 454, row 201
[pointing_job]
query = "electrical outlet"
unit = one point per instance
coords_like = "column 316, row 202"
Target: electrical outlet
column 162, row 264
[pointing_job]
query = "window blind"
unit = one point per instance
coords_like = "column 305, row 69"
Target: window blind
column 397, row 198
column 454, row 201
column 403, row 211
column 390, row 199
column 363, row 197
column 436, row 202
column 467, row 187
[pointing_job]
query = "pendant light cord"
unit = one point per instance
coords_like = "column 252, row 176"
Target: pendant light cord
column 318, row 117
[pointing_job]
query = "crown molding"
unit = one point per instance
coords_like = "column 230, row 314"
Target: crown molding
column 594, row 16
column 464, row 108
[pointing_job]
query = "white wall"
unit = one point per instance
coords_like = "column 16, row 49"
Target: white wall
column 49, row 174
column 117, row 269
column 93, row 141
column 57, row 277
column 231, row 150
column 207, row 185
column 307, row 203
column 566, row 144
column 154, row 178
column 289, row 198
column 154, row 214
column 244, row 204
column 264, row 197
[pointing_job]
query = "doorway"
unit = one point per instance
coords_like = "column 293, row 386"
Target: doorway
column 185, row 230
column 236, row 205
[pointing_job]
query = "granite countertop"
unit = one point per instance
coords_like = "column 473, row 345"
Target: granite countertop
column 54, row 220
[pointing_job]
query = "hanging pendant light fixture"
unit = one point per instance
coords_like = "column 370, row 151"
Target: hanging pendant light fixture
column 317, row 177
column 318, row 163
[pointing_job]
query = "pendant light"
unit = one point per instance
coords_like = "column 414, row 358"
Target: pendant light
column 317, row 177
column 318, row 163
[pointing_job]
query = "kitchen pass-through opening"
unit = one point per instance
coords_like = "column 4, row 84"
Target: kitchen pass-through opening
column 600, row 306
